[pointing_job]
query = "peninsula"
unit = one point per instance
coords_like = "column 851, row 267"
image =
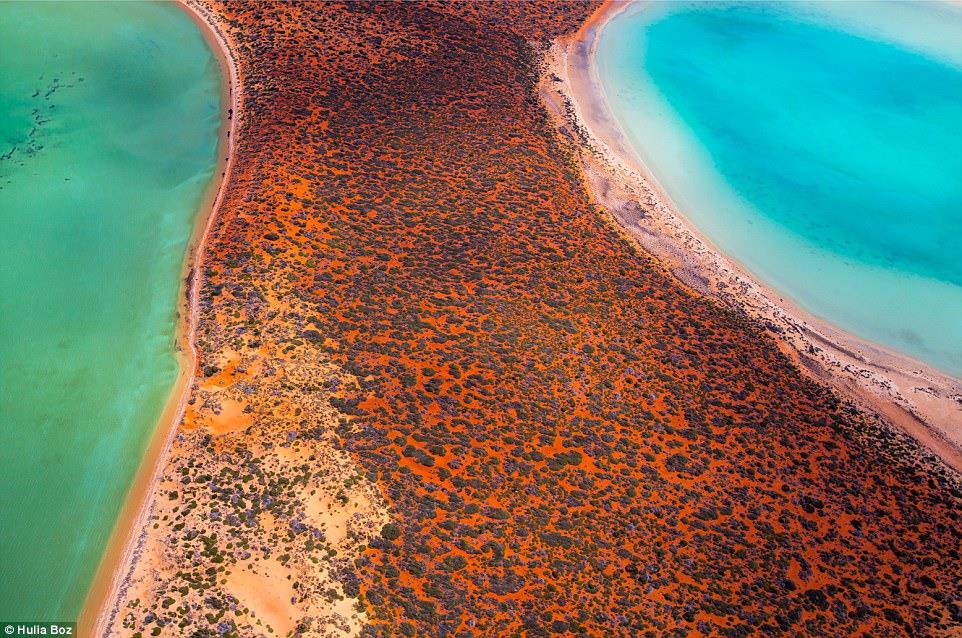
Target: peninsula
column 461, row 370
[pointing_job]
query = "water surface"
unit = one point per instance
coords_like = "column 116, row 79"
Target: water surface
column 109, row 113
column 818, row 144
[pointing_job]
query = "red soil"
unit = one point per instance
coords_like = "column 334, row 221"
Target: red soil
column 569, row 440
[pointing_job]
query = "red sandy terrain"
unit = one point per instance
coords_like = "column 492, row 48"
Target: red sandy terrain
column 567, row 439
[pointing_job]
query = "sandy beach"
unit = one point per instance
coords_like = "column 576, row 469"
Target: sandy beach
column 924, row 402
column 130, row 529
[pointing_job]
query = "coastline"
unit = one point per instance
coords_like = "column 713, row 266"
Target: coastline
column 130, row 529
column 923, row 402
column 440, row 390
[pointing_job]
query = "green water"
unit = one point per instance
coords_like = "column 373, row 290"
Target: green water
column 820, row 144
column 109, row 115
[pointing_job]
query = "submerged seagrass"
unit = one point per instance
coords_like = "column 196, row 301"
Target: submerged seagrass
column 108, row 131
column 815, row 143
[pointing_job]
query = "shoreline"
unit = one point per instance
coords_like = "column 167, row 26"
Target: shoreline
column 130, row 529
column 921, row 401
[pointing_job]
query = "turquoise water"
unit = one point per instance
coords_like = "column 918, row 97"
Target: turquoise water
column 109, row 114
column 818, row 144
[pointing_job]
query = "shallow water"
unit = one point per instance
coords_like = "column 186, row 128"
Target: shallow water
column 818, row 144
column 109, row 115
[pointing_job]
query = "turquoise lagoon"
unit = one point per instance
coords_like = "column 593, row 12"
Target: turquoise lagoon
column 109, row 117
column 819, row 144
